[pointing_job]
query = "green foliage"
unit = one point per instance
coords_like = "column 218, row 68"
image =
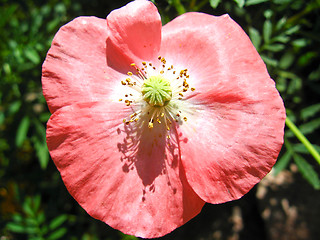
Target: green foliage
column 286, row 33
column 32, row 222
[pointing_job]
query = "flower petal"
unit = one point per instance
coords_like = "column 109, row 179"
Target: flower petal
column 236, row 134
column 134, row 34
column 243, row 138
column 215, row 50
column 75, row 66
column 133, row 184
column 234, row 142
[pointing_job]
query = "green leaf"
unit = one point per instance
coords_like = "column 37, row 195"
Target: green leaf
column 255, row 37
column 27, row 207
column 17, row 218
column 292, row 30
column 14, row 107
column 294, row 85
column 36, row 202
column 57, row 234
column 282, row 163
column 300, row 42
column 32, row 55
column 22, row 131
column 310, row 111
column 254, row 2
column 300, row 148
column 41, row 152
column 267, row 31
column 310, row 127
column 240, row 3
column 268, row 14
column 281, row 39
column 269, row 61
column 41, row 217
column 56, row 222
column 275, row 47
column 281, row 1
column 307, row 171
column 286, row 60
column 214, row 3
column 14, row 227
column 280, row 24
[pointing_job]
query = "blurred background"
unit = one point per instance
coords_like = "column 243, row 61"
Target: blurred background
column 34, row 203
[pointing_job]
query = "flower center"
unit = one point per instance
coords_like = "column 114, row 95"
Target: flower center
column 156, row 91
column 158, row 96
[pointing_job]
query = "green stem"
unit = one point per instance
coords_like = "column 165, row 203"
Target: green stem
column 303, row 139
column 179, row 7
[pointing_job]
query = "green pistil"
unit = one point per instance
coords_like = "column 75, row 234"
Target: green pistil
column 156, row 91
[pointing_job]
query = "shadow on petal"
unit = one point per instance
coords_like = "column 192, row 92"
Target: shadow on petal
column 149, row 151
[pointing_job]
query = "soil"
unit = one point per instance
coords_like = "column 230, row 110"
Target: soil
column 285, row 207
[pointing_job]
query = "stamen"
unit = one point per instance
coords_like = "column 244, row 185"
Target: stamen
column 155, row 92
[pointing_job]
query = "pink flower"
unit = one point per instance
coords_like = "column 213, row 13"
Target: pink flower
column 143, row 141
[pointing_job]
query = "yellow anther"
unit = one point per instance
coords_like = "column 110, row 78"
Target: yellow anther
column 192, row 89
column 162, row 115
column 120, row 99
column 159, row 57
column 123, row 83
column 128, row 80
column 185, row 119
column 158, row 120
column 124, row 120
column 127, row 102
column 133, row 64
column 150, row 125
column 144, row 63
column 130, row 73
column 180, row 94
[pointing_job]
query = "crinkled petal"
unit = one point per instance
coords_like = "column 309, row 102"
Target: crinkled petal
column 75, row 66
column 233, row 141
column 134, row 34
column 215, row 50
column 233, row 138
column 132, row 182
